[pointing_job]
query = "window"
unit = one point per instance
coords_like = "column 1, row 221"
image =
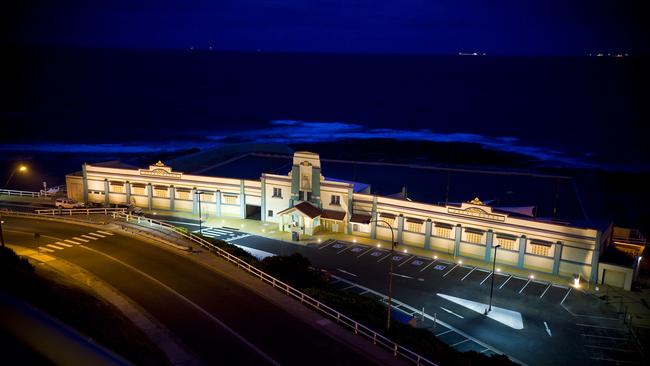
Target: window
column 301, row 196
column 539, row 249
column 270, row 213
column 117, row 187
column 443, row 232
column 183, row 194
column 229, row 199
column 506, row 243
column 207, row 197
column 308, row 196
column 139, row 190
column 414, row 227
column 160, row 191
column 473, row 237
column 336, row 200
column 277, row 192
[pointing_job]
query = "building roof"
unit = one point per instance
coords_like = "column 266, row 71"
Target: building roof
column 360, row 218
column 305, row 208
column 333, row 215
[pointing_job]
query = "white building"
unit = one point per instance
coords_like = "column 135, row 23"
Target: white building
column 306, row 202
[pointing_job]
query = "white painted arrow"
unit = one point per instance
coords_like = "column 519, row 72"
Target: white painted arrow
column 504, row 316
column 451, row 312
column 547, row 329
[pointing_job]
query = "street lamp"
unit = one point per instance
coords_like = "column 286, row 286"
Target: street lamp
column 494, row 263
column 390, row 273
column 2, row 238
column 21, row 169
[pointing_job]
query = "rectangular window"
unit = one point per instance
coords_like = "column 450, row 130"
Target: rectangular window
column 443, row 232
column 506, row 243
column 277, row 192
column 139, row 190
column 270, row 213
column 207, row 197
column 117, row 188
column 160, row 192
column 308, row 196
column 336, row 200
column 229, row 199
column 415, row 227
column 183, row 194
column 474, row 238
column 539, row 249
column 301, row 195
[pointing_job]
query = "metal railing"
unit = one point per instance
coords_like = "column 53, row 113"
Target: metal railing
column 13, row 192
column 80, row 211
column 6, row 212
column 341, row 319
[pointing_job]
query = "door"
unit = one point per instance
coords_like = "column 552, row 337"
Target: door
column 614, row 278
column 335, row 227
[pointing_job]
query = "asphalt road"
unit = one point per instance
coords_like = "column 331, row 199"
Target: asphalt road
column 560, row 326
column 217, row 319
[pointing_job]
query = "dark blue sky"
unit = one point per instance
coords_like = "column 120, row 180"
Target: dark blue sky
column 514, row 27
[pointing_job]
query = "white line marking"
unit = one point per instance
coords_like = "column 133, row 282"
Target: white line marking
column 427, row 266
column 487, row 349
column 401, row 275
column 64, row 244
column 506, row 281
column 347, row 288
column 97, row 235
column 79, row 239
column 548, row 330
column 344, row 249
column 388, row 255
column 549, row 286
column 346, row 272
column 567, row 295
column 451, row 312
column 468, row 273
column 89, row 237
column 327, row 245
column 406, row 261
column 524, row 286
column 365, row 292
column 445, row 332
column 45, row 249
column 53, row 246
column 71, row 241
column 448, row 272
column 194, row 305
column 369, row 250
column 598, row 326
column 457, row 343
column 486, row 277
column 105, row 232
column 599, row 336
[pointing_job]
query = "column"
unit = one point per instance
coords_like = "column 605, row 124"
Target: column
column 295, row 185
column 400, row 228
column 489, row 238
column 127, row 189
column 595, row 257
column 373, row 222
column 172, row 198
column 242, row 200
column 427, row 234
column 315, row 187
column 522, row 251
column 350, row 206
column 149, row 196
column 195, row 202
column 217, row 195
column 107, row 201
column 85, row 182
column 263, row 199
column 557, row 256
column 457, row 235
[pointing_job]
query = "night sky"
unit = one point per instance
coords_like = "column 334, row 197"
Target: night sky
column 510, row 27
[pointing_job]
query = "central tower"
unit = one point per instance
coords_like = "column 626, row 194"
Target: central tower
column 305, row 178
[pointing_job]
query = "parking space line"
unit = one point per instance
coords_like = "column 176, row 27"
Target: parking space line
column 71, row 241
column 45, row 249
column 524, row 286
column 427, row 266
column 79, row 239
column 327, row 245
column 457, row 343
column 365, row 292
column 406, row 261
column 445, row 332
column 344, row 249
column 388, row 255
column 448, row 272
column 486, row 277
column 599, row 336
column 105, row 232
column 468, row 273
column 53, row 246
column 487, row 349
column 506, row 281
column 97, row 235
column 89, row 237
column 369, row 249
column 565, row 296
column 547, row 287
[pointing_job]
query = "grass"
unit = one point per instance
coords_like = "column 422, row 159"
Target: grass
column 59, row 297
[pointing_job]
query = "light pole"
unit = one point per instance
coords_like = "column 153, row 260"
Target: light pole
column 199, row 193
column 2, row 238
column 393, row 244
column 21, row 168
column 494, row 263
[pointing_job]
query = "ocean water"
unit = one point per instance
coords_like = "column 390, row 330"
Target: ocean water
column 576, row 112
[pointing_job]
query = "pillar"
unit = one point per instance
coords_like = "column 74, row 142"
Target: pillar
column 172, row 198
column 195, row 202
column 557, row 256
column 373, row 219
column 457, row 235
column 315, row 187
column 107, row 201
column 594, row 259
column 242, row 199
column 85, row 182
column 295, row 185
column 350, row 206
column 149, row 196
column 263, row 199
column 427, row 234
column 127, row 190
column 217, row 196
column 489, row 238
column 522, row 251
column 400, row 228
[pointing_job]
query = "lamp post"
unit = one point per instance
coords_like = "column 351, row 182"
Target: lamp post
column 494, row 263
column 199, row 193
column 393, row 244
column 21, row 168
column 2, row 238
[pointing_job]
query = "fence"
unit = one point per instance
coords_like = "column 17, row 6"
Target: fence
column 13, row 192
column 80, row 211
column 358, row 328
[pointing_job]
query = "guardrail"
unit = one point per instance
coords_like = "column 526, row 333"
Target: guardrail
column 13, row 192
column 5, row 212
column 358, row 328
column 80, row 211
